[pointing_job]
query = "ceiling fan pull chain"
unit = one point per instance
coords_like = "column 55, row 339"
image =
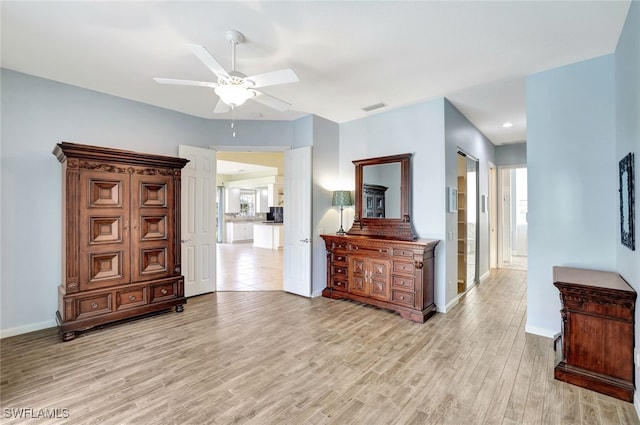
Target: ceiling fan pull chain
column 233, row 122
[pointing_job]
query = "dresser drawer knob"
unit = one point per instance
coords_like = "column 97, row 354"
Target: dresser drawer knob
column 164, row 291
column 94, row 305
column 132, row 297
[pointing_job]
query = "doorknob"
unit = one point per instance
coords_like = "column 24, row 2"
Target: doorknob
column 306, row 240
column 185, row 240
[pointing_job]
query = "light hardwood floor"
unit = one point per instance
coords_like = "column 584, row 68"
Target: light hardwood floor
column 242, row 267
column 276, row 358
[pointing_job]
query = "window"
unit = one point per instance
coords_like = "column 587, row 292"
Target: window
column 247, row 203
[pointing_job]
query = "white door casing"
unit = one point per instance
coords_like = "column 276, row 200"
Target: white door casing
column 297, row 221
column 198, row 220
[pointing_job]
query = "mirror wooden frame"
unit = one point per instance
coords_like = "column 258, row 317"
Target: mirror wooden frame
column 386, row 228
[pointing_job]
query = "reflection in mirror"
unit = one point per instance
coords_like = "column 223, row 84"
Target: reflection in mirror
column 381, row 191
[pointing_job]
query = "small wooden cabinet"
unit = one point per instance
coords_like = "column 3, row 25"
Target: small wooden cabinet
column 373, row 200
column 121, row 233
column 598, row 310
column 393, row 274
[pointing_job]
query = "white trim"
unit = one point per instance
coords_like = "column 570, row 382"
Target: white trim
column 636, row 403
column 485, row 276
column 317, row 294
column 19, row 330
column 548, row 333
column 449, row 306
column 234, row 148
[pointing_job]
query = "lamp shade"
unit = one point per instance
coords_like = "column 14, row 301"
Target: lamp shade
column 341, row 198
column 233, row 95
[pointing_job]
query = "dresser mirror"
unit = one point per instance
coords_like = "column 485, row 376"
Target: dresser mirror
column 383, row 198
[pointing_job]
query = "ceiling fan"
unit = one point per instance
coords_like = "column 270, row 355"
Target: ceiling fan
column 234, row 88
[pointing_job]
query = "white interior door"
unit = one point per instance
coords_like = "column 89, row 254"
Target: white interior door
column 297, row 221
column 198, row 222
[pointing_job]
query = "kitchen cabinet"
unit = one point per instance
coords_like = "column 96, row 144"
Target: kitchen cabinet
column 239, row 231
column 232, row 200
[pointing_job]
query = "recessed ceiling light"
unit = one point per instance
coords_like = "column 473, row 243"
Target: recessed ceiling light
column 507, row 124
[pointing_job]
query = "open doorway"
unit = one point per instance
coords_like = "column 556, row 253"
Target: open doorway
column 250, row 221
column 467, row 222
column 513, row 219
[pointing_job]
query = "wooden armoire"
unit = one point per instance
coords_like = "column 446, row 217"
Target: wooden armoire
column 120, row 236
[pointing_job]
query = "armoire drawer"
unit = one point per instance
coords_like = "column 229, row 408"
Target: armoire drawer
column 165, row 291
column 93, row 305
column 131, row 298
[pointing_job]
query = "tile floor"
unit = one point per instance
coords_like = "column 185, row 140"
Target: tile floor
column 242, row 267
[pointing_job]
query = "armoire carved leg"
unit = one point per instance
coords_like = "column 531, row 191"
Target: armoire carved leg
column 179, row 308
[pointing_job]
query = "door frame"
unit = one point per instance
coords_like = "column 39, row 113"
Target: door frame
column 502, row 232
column 239, row 148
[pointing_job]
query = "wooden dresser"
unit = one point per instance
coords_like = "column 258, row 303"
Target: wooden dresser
column 393, row 274
column 598, row 310
column 121, row 233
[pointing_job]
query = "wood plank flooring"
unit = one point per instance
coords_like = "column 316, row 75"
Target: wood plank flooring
column 276, row 358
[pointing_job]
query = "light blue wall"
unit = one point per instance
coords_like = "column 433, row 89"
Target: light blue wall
column 37, row 114
column 627, row 87
column 326, row 145
column 511, row 154
column 572, row 175
column 628, row 132
column 417, row 129
column 461, row 135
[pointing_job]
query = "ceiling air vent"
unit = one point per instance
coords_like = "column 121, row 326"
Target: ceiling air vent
column 373, row 107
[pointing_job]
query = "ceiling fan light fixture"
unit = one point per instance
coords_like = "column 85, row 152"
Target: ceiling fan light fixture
column 233, row 95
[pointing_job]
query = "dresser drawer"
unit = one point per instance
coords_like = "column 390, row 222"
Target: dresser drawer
column 341, row 270
column 370, row 249
column 404, row 298
column 404, row 267
column 339, row 245
column 164, row 291
column 399, row 252
column 339, row 284
column 131, row 298
column 338, row 258
column 93, row 305
column 404, row 283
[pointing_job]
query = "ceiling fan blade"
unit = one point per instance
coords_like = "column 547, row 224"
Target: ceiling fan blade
column 207, row 58
column 185, row 82
column 221, row 107
column 274, row 78
column 271, row 101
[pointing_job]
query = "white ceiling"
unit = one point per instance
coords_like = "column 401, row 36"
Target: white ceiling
column 236, row 168
column 348, row 55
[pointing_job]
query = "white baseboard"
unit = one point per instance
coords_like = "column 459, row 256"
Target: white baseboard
column 548, row 333
column 485, row 276
column 19, row 330
column 448, row 306
column 636, row 403
column 317, row 293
